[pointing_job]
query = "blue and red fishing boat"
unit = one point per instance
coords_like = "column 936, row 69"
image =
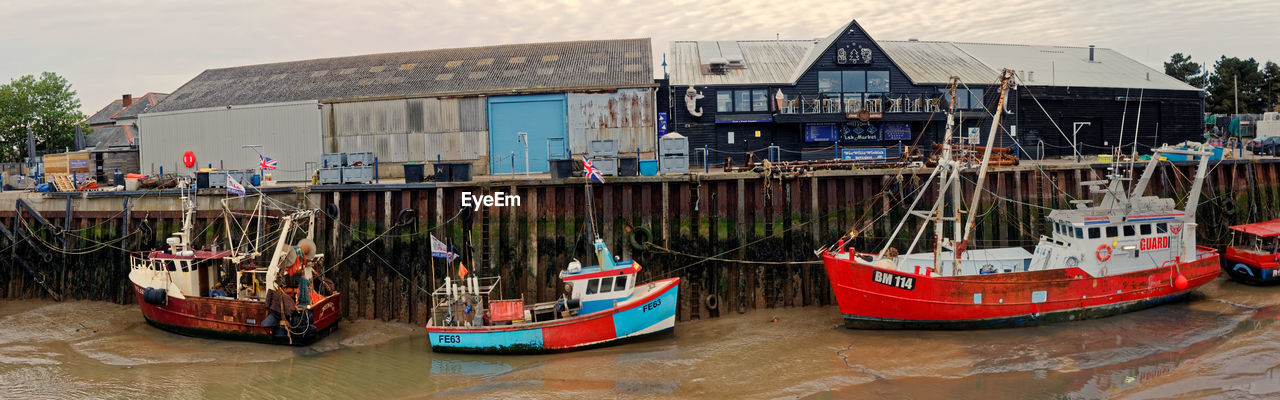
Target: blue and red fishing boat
column 1254, row 254
column 605, row 306
column 602, row 305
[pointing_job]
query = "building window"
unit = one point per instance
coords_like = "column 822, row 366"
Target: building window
column 759, row 100
column 829, row 81
column 975, row 99
column 855, row 81
column 878, row 81
column 743, row 100
column 724, row 101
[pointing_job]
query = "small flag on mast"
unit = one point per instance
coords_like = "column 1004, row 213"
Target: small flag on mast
column 441, row 250
column 267, row 163
column 462, row 270
column 590, row 171
column 234, row 187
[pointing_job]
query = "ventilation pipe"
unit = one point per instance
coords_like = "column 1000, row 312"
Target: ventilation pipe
column 1090, row 53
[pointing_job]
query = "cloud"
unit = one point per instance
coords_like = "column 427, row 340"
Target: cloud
column 130, row 46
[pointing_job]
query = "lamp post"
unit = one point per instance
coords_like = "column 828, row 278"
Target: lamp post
column 1075, row 129
column 524, row 138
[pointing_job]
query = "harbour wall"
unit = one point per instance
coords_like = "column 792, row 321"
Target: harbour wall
column 748, row 239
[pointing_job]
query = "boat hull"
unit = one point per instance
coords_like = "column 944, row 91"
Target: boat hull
column 647, row 313
column 1251, row 268
column 227, row 319
column 1002, row 300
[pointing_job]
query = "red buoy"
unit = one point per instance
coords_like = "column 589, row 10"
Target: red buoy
column 189, row 159
column 1180, row 282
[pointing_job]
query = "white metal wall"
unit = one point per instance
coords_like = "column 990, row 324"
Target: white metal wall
column 412, row 130
column 626, row 116
column 288, row 132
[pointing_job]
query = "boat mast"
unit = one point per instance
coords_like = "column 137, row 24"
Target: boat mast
column 1005, row 75
column 948, row 157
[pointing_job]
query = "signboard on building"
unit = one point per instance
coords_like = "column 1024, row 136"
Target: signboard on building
column 859, row 131
column 895, row 131
column 662, row 124
column 820, row 132
column 865, row 154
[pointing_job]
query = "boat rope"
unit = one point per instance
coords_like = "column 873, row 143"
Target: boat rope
column 380, row 236
column 735, row 261
column 1022, row 149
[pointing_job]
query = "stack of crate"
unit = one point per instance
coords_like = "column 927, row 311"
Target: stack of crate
column 331, row 168
column 604, row 156
column 673, row 151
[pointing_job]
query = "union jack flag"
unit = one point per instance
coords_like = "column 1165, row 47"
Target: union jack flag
column 267, row 163
column 590, row 171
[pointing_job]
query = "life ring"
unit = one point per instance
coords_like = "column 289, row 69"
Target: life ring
column 1104, row 252
column 640, row 236
column 189, row 159
column 713, row 302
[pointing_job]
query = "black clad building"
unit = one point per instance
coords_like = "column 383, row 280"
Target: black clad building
column 852, row 96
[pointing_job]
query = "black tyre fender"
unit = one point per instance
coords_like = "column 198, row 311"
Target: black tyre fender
column 713, row 301
column 406, row 217
column 1228, row 206
column 331, row 211
column 639, row 237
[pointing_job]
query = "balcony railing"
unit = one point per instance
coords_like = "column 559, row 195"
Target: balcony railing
column 873, row 103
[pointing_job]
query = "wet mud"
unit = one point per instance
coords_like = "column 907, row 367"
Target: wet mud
column 1222, row 344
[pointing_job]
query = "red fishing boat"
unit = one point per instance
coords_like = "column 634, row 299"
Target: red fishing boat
column 1254, row 254
column 1129, row 251
column 225, row 294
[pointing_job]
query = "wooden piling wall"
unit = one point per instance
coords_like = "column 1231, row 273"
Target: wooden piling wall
column 378, row 252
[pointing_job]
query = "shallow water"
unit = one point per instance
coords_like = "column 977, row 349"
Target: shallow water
column 1224, row 345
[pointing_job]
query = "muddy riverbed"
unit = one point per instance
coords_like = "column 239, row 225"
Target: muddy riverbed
column 1225, row 344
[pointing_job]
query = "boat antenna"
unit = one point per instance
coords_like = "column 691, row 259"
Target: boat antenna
column 1005, row 76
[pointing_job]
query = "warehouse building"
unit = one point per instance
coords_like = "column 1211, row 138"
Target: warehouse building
column 456, row 105
column 848, row 95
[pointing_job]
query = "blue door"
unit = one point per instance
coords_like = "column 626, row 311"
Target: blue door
column 541, row 116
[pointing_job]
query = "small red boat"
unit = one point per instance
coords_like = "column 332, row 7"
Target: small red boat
column 1128, row 252
column 1254, row 254
column 223, row 294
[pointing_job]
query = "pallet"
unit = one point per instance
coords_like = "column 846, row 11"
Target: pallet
column 63, row 183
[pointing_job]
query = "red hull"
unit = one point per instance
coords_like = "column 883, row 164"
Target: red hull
column 233, row 319
column 1003, row 299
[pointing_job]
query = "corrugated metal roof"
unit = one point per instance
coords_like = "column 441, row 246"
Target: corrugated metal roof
column 476, row 70
column 767, row 62
column 1070, row 66
column 936, row 62
column 819, row 47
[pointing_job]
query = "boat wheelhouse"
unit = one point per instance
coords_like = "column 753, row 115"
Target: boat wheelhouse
column 1254, row 254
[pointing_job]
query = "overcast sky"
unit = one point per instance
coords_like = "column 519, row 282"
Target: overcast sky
column 130, row 46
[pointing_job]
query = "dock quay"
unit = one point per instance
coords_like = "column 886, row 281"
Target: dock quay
column 702, row 227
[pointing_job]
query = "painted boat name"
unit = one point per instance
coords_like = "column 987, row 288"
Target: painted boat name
column 898, row 281
column 652, row 305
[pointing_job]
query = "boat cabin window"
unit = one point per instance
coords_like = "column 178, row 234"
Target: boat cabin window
column 1079, row 233
column 1095, row 233
column 620, row 284
column 1113, row 231
column 1162, row 228
column 593, row 286
column 606, row 285
column 1128, row 230
column 1145, row 229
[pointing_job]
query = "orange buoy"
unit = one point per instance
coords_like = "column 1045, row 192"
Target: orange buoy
column 1104, row 252
column 1180, row 282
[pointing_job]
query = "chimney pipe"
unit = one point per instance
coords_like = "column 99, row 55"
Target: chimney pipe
column 1090, row 53
column 127, row 99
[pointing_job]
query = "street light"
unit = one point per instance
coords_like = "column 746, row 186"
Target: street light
column 1075, row 129
column 524, row 137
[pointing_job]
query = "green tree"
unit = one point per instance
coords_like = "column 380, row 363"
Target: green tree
column 48, row 105
column 1227, row 73
column 1181, row 67
column 1271, row 85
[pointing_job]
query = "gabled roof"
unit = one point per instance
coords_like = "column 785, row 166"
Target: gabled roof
column 767, row 62
column 103, row 116
column 579, row 65
column 140, row 105
column 927, row 63
column 104, row 137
